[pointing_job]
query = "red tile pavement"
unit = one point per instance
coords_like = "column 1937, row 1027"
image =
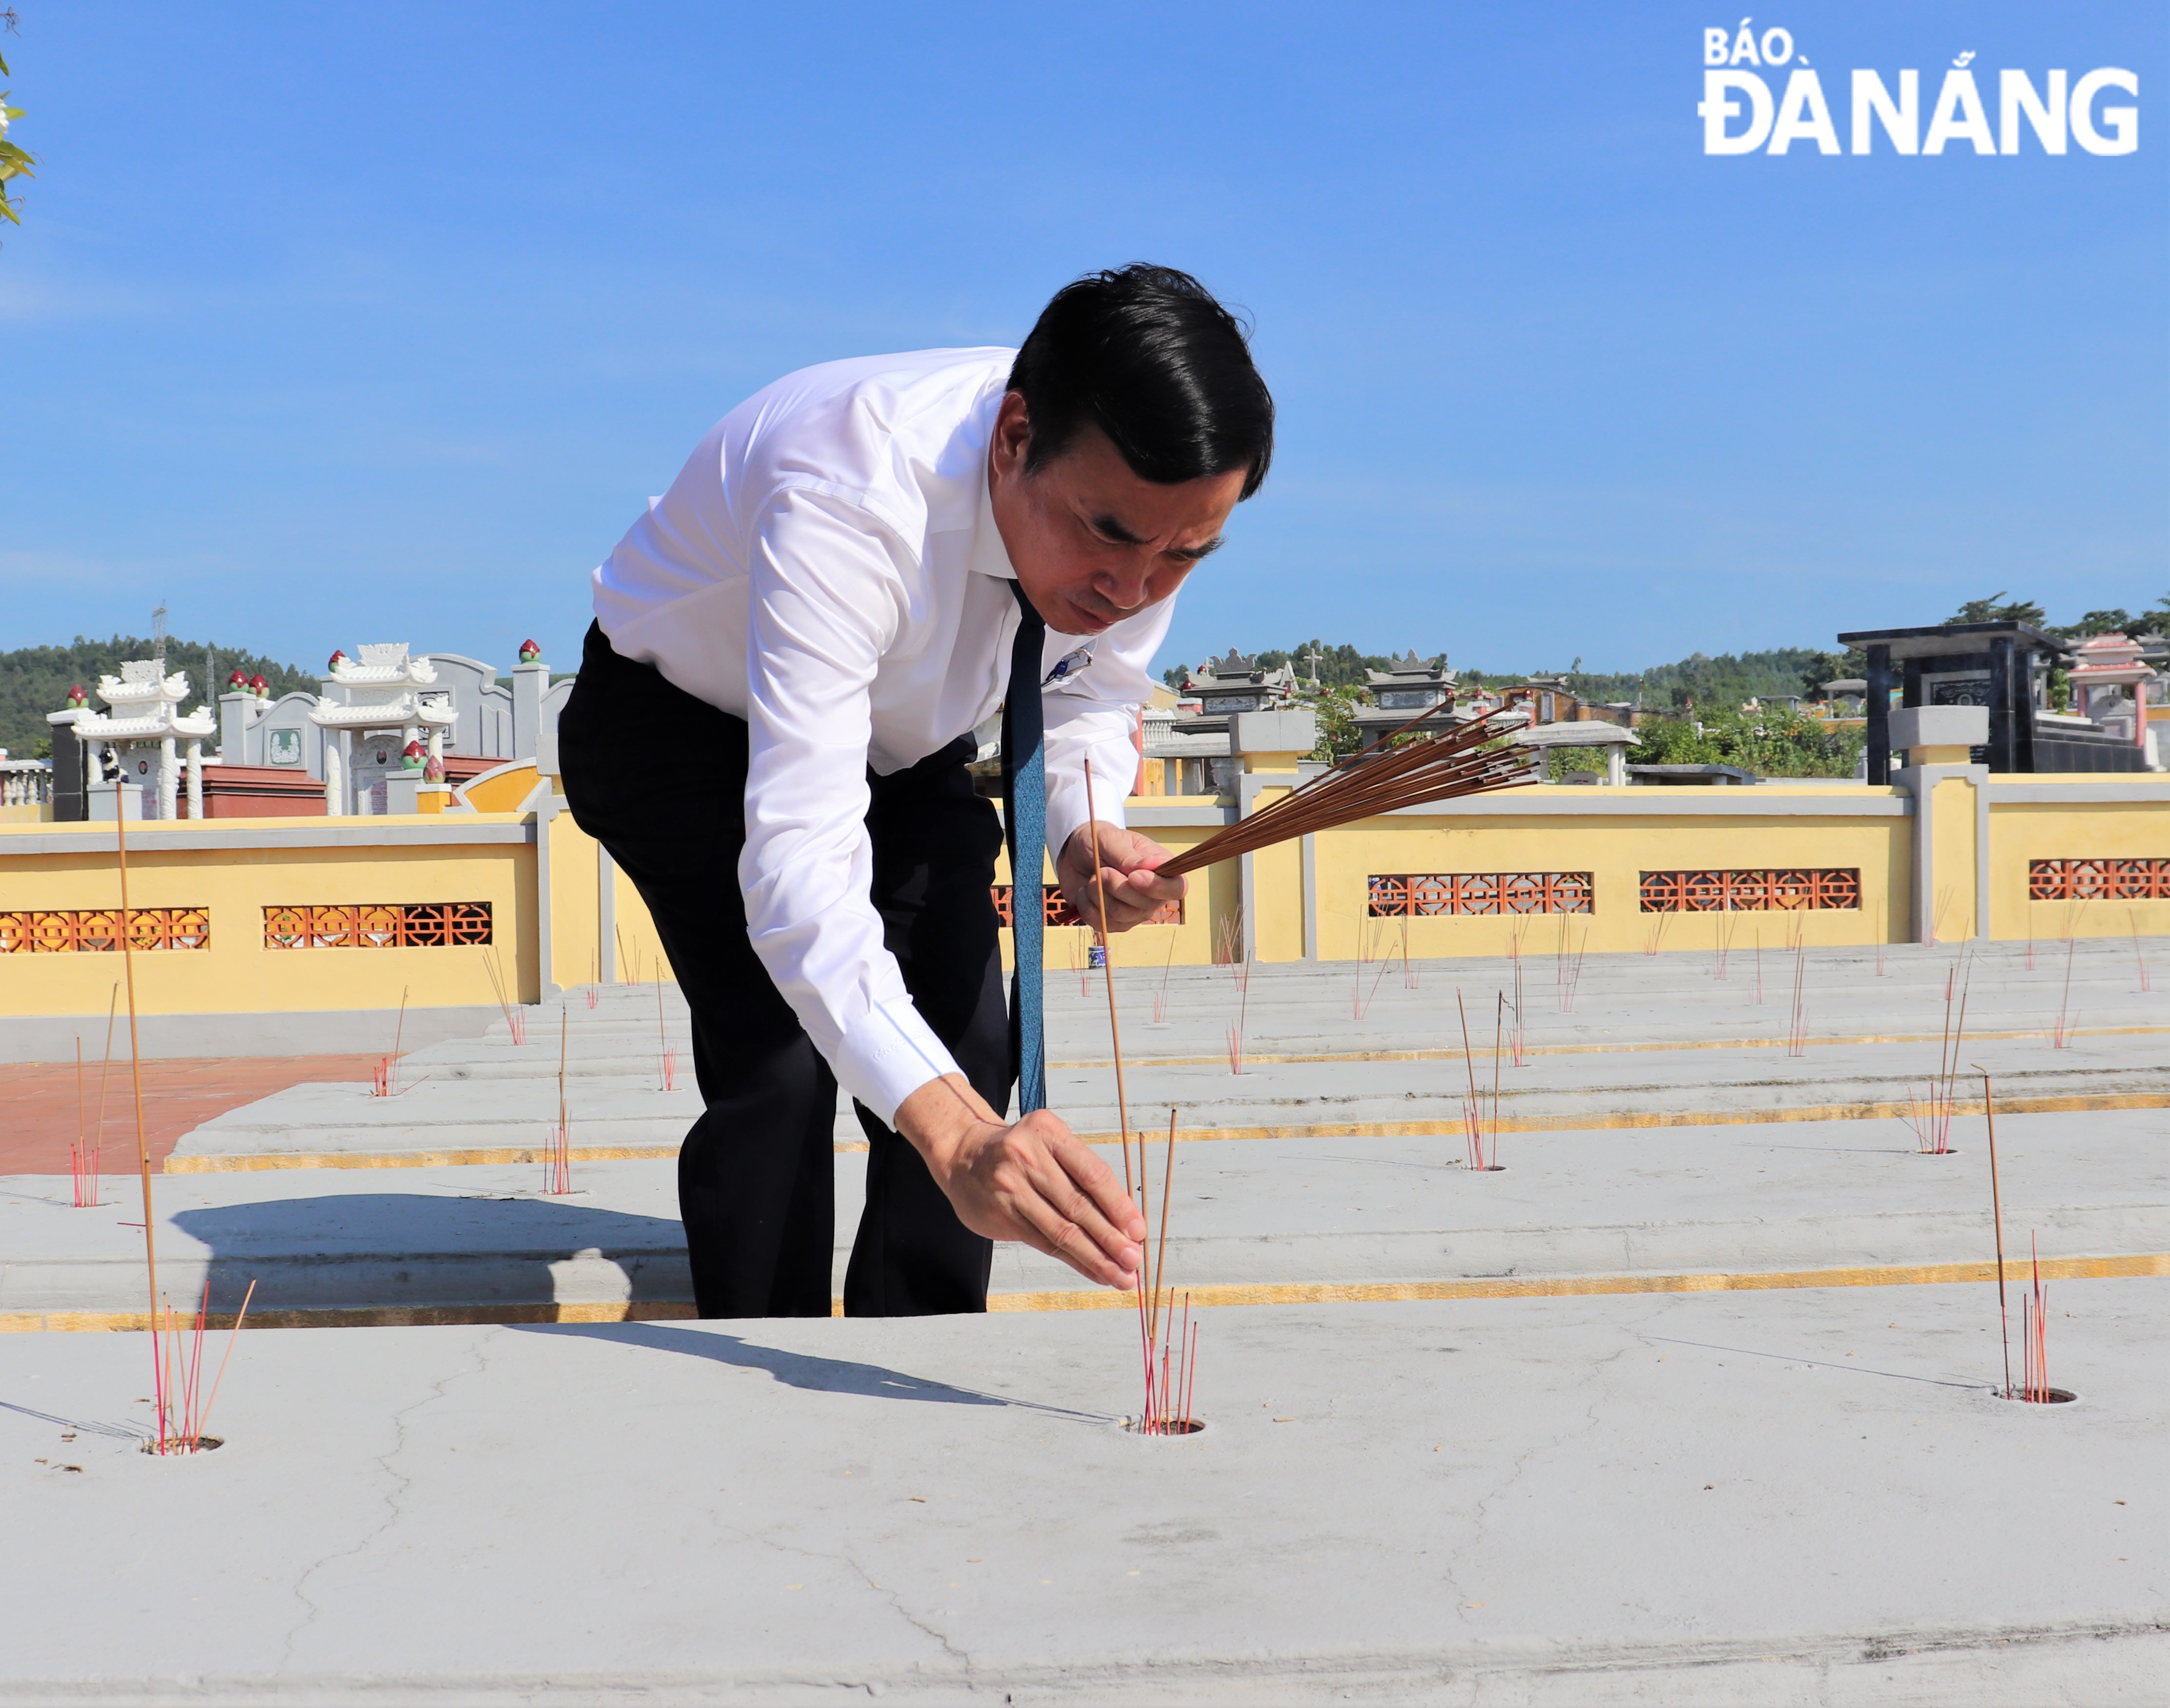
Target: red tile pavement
column 39, row 1110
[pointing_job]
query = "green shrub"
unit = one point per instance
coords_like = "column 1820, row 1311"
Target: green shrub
column 1774, row 741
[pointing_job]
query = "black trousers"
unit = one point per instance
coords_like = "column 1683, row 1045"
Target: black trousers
column 756, row 1175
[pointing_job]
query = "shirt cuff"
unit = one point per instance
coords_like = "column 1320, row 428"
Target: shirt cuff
column 1067, row 813
column 888, row 1053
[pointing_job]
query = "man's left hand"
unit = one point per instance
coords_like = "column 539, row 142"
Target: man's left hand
column 1126, row 869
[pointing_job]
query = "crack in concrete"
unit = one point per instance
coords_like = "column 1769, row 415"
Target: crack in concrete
column 894, row 1597
column 392, row 1499
column 1479, row 1514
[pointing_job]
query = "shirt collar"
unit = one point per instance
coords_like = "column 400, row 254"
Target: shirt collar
column 989, row 556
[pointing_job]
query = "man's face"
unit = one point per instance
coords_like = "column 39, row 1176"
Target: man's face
column 1092, row 541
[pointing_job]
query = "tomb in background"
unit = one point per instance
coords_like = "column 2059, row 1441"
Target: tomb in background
column 130, row 758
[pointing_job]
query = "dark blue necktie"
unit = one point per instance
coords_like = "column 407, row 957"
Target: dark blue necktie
column 1024, row 803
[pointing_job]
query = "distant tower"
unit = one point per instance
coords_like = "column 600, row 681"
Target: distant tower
column 158, row 634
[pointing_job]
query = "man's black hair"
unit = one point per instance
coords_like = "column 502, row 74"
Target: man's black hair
column 1147, row 355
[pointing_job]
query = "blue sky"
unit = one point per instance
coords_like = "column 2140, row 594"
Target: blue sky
column 329, row 323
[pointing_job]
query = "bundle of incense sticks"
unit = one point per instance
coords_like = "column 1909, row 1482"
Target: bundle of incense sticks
column 1170, row 1353
column 183, row 1408
column 1930, row 1116
column 1228, row 949
column 387, row 1066
column 1167, row 1401
column 1404, row 770
column 516, row 1017
column 82, row 1154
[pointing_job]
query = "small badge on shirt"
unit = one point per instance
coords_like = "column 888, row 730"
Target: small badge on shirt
column 1068, row 665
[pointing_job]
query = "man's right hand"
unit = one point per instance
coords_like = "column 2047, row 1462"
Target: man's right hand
column 1032, row 1181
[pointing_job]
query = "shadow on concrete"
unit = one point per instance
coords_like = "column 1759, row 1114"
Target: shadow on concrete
column 422, row 1250
column 1819, row 1363
column 807, row 1370
column 117, row 1432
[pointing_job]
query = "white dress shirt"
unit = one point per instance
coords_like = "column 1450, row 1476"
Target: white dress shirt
column 826, row 567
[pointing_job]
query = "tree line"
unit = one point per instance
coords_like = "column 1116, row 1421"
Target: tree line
column 34, row 680
column 1700, row 682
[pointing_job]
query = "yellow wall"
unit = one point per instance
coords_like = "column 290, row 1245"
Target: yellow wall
column 1952, row 888
column 580, row 951
column 505, row 789
column 236, row 973
column 2074, row 818
column 2117, row 829
column 1616, row 851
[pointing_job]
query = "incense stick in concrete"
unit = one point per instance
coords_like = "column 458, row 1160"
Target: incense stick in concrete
column 1190, row 1360
column 1469, row 1062
column 1108, row 968
column 666, row 1057
column 136, row 1076
column 105, row 1068
column 219, row 1380
column 1996, row 1216
column 561, row 1158
column 1166, row 1192
column 83, row 1158
column 1499, row 1024
column 2064, row 1001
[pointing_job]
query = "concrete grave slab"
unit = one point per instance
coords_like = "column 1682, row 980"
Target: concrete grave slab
column 1639, row 1040
column 1772, row 1499
column 1275, row 1214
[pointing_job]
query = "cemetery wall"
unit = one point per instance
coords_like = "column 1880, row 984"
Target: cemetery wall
column 251, row 919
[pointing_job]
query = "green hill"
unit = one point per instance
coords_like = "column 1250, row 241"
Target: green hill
column 1711, row 683
column 1727, row 679
column 34, row 680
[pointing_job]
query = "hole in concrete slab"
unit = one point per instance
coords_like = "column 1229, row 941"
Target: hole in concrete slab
column 1953, row 1151
column 1172, row 1426
column 175, row 1450
column 1490, row 1168
column 2050, row 1396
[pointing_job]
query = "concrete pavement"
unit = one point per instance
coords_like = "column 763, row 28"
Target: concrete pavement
column 1745, row 1200
column 1782, row 1498
column 1612, row 1041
